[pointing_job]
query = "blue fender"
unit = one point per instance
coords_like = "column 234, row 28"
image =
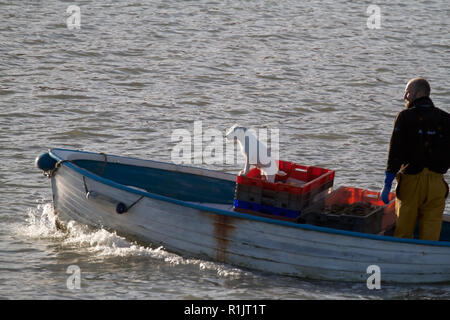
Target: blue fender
column 45, row 162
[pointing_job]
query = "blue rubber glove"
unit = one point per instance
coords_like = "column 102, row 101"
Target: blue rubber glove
column 384, row 194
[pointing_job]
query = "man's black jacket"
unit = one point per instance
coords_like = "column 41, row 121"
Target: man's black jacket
column 420, row 139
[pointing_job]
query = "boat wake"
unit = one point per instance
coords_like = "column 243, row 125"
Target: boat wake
column 102, row 244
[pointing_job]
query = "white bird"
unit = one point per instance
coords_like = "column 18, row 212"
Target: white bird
column 253, row 150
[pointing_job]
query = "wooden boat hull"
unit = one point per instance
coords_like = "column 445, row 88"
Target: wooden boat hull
column 212, row 230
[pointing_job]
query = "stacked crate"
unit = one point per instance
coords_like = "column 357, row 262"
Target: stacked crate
column 332, row 212
column 285, row 198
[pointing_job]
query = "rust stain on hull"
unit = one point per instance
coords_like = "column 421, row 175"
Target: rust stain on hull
column 222, row 230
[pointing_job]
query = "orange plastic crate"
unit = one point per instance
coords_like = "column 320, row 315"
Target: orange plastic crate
column 350, row 195
column 379, row 219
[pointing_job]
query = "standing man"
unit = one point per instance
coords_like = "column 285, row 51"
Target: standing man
column 419, row 156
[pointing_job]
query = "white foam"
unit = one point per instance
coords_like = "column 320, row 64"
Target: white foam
column 102, row 243
column 40, row 223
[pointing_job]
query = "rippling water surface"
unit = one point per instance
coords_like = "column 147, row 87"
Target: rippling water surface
column 138, row 70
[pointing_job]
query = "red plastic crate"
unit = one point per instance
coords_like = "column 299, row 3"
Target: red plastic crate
column 309, row 184
column 280, row 199
column 314, row 177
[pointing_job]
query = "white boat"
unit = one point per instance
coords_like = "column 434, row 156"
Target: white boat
column 189, row 211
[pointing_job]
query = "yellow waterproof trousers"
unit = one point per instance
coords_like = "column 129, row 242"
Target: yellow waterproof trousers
column 420, row 197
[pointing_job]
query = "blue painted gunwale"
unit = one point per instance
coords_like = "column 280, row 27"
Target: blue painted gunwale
column 88, row 174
